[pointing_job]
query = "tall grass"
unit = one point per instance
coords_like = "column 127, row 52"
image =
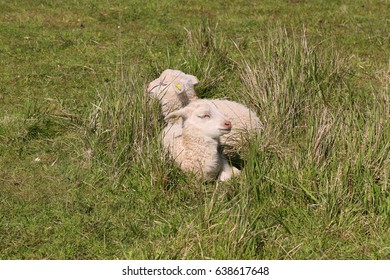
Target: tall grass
column 315, row 181
column 326, row 139
column 315, row 117
column 124, row 125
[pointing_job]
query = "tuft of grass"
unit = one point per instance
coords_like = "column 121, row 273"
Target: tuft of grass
column 206, row 55
column 124, row 133
column 320, row 132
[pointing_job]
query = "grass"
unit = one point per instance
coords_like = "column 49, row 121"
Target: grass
column 82, row 172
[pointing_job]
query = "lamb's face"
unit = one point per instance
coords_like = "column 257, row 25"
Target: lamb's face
column 208, row 121
column 203, row 118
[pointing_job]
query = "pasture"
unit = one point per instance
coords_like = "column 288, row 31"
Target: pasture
column 82, row 171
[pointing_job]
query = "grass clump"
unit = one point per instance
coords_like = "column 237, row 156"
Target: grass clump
column 320, row 135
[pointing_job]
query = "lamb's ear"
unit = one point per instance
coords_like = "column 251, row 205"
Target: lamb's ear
column 183, row 112
column 192, row 79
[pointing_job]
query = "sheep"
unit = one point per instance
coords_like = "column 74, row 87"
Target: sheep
column 194, row 144
column 175, row 90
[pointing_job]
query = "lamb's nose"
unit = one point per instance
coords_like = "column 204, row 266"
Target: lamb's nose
column 228, row 124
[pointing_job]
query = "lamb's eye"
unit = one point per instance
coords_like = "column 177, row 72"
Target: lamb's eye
column 205, row 116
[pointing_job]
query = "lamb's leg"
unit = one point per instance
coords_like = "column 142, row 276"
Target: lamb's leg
column 227, row 171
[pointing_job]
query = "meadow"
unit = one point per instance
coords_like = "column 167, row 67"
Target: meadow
column 82, row 171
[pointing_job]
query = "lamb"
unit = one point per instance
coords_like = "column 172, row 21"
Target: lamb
column 194, row 144
column 175, row 89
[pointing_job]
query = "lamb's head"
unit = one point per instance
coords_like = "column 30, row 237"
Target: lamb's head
column 173, row 84
column 202, row 117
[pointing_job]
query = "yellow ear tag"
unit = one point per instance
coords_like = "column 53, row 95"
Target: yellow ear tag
column 178, row 86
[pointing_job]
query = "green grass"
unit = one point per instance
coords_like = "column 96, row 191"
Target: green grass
column 82, row 171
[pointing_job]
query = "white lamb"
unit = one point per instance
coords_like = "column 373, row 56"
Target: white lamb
column 175, row 89
column 194, row 144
